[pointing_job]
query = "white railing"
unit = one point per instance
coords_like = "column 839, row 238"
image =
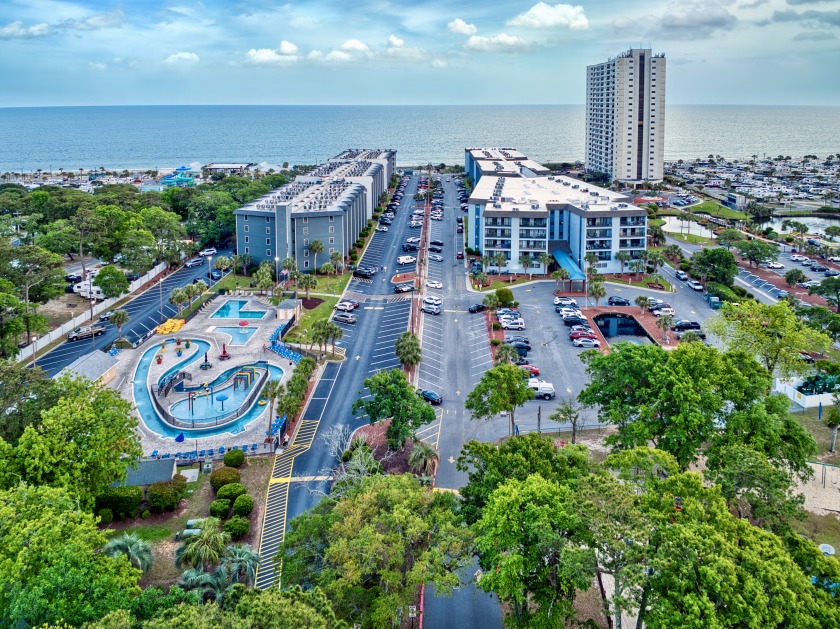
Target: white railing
column 61, row 331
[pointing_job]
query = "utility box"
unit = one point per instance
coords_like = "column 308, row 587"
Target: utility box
column 208, row 467
column 714, row 302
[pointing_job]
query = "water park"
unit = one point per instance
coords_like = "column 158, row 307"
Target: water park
column 201, row 392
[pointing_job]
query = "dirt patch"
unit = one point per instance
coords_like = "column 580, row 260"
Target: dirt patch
column 63, row 308
column 311, row 303
column 400, row 278
column 392, row 462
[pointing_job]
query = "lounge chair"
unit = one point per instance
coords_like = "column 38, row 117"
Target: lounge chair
column 253, row 447
column 166, row 456
column 210, row 452
column 221, row 449
column 154, row 453
column 202, row 453
column 177, row 455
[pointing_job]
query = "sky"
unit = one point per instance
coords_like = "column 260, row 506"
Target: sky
column 423, row 52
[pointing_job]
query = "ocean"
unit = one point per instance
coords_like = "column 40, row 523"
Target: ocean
column 150, row 137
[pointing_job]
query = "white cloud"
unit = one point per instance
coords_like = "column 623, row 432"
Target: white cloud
column 315, row 55
column 304, row 22
column 461, row 27
column 127, row 62
column 337, row 55
column 112, row 19
column 439, row 63
column 354, row 45
column 269, row 56
column 182, row 58
column 497, row 43
column 395, row 41
column 287, row 48
column 97, row 66
column 16, row 30
column 543, row 15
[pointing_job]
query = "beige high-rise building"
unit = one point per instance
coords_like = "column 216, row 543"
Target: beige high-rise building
column 625, row 116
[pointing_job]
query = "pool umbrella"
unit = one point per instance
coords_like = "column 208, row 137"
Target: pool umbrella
column 222, row 397
column 243, row 324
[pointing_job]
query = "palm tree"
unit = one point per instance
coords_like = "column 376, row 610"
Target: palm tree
column 490, row 301
column 486, row 261
column 307, row 282
column 664, row 323
column 235, row 261
column 244, row 259
column 315, row 247
column 597, row 290
column 525, row 262
column 498, row 260
column 480, row 278
column 656, row 260
column 643, row 302
column 326, row 269
column 321, row 334
column 204, row 549
column 334, row 333
column 506, row 354
column 119, row 318
column 137, row 551
column 622, row 257
column 222, row 263
column 273, row 389
column 240, row 562
column 407, row 349
column 423, row 459
column 561, row 275
column 545, row 259
column 178, row 297
column 290, row 266
column 197, row 579
column 337, row 260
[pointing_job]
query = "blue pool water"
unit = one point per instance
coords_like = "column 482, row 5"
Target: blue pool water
column 143, row 400
column 233, row 310
column 239, row 335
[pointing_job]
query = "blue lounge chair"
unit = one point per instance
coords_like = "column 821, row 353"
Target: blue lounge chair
column 177, row 455
column 154, row 453
column 253, row 447
column 166, row 456
column 245, row 448
column 234, row 447
column 202, row 453
column 221, row 449
column 210, row 452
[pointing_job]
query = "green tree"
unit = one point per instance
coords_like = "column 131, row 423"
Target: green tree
column 757, row 252
column 222, row 263
column 501, row 389
column 773, row 333
column 531, row 543
column 623, row 258
column 506, row 354
column 273, row 390
column 112, row 282
column 59, row 237
column 829, row 289
column 135, row 549
column 643, row 302
column 490, row 301
column 794, row 276
column 392, row 397
column 138, row 250
column 505, row 297
column 664, row 323
column 240, row 562
column 423, row 459
column 717, row 265
column 38, row 275
column 414, row 530
column 307, row 282
column 597, row 290
column 568, row 412
column 560, row 277
column 546, row 259
column 327, row 269
column 23, row 410
column 12, row 323
column 337, row 260
column 729, row 238
column 72, row 445
column 205, row 549
column 178, row 297
column 119, row 318
column 49, row 565
column 289, row 265
column 407, row 349
column 315, row 247
column 88, row 224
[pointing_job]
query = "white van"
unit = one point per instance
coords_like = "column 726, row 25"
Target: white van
column 92, row 292
column 542, row 389
column 406, row 260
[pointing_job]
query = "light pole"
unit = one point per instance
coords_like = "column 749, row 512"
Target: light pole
column 276, row 270
column 92, row 336
column 209, row 269
column 160, row 290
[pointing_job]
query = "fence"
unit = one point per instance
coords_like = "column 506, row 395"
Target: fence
column 221, row 419
column 61, row 331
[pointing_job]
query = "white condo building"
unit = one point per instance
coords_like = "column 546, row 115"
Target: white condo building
column 625, row 116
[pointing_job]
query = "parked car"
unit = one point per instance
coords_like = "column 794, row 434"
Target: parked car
column 403, row 288
column 433, row 301
column 564, row 301
column 194, row 262
column 618, row 301
column 460, row 255
column 381, row 228
column 106, row 316
column 210, row 251
column 347, row 307
column 530, row 370
column 86, row 331
column 436, row 258
column 513, row 324
column 542, row 389
column 434, row 284
column 73, row 278
column 436, row 242
column 819, row 268
column 477, row 308
column 430, row 396
column 695, row 285
column 344, row 317
column 570, row 321
column 661, row 312
column 511, row 339
column 215, row 274
column 413, row 239
column 582, row 334
column 430, row 309
column 585, row 342
column 435, row 248
column 775, row 265
column 681, row 275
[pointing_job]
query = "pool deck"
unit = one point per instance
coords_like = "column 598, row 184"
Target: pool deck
column 201, row 327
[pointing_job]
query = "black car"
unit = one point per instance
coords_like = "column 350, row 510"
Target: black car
column 819, row 268
column 618, row 301
column 215, row 274
column 570, row 321
column 385, row 221
column 409, row 247
column 436, row 249
column 73, row 278
column 431, row 397
column 511, row 339
column 519, row 344
column 477, row 308
column 69, row 289
column 436, row 242
column 362, row 273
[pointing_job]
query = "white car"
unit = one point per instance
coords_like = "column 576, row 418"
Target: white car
column 345, row 306
column 433, row 301
column 413, row 239
column 434, row 284
column 564, row 301
column 210, row 251
column 798, row 258
column 513, row 324
column 583, row 342
column 382, row 228
column 661, row 312
column 775, row 265
column 436, row 258
column 695, row 285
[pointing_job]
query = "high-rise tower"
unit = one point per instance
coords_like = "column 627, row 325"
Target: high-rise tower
column 625, row 116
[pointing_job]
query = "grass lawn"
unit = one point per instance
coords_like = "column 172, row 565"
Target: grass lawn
column 198, row 303
column 716, row 209
column 504, row 284
column 332, row 284
column 694, row 239
column 657, row 222
column 232, row 281
column 822, row 529
column 309, row 317
column 644, row 282
column 820, row 432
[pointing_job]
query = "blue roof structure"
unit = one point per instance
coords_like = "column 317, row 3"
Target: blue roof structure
column 565, row 261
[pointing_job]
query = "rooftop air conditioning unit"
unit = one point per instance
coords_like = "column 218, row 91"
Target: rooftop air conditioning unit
column 535, row 206
column 497, row 205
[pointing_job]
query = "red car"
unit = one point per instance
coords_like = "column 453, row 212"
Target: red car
column 460, row 255
column 530, row 369
column 582, row 334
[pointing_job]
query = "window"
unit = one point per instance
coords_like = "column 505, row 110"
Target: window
column 332, row 241
column 305, row 230
column 332, row 251
column 245, row 218
column 268, row 230
column 332, row 229
column 267, row 219
column 268, row 252
column 306, row 253
column 306, row 242
column 246, row 240
column 306, row 264
column 332, row 219
column 305, row 219
column 268, row 241
column 247, row 250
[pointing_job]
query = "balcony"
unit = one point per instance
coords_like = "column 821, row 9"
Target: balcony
column 532, row 222
column 497, row 222
column 497, row 233
column 633, row 221
column 532, row 233
column 532, row 245
column 598, row 245
column 635, row 243
column 599, row 222
column 497, row 244
column 599, row 233
column 638, row 232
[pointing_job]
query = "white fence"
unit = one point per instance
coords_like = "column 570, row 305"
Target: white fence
column 84, row 317
column 788, row 387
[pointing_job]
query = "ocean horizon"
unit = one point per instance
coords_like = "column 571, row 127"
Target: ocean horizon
column 167, row 136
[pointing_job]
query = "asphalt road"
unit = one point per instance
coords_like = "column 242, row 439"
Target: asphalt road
column 144, row 310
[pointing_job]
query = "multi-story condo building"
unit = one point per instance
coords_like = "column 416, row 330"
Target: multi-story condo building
column 625, row 116
column 332, row 204
column 523, row 217
column 500, row 162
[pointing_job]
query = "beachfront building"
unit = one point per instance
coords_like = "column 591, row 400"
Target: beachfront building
column 523, row 217
column 331, row 204
column 625, row 117
column 500, row 162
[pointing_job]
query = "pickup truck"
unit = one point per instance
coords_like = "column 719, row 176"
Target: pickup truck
column 86, row 331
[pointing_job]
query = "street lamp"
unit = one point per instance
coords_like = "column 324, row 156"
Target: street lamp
column 160, row 290
column 276, row 270
column 92, row 336
column 209, row 269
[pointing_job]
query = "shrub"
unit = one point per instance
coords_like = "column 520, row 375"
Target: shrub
column 234, row 458
column 243, row 505
column 124, row 500
column 179, row 482
column 495, row 342
column 163, row 495
column 741, row 292
column 237, row 527
column 224, row 476
column 497, row 326
column 106, row 516
column 145, row 515
column 231, row 491
column 685, row 265
column 354, row 257
column 220, row 508
column 724, row 292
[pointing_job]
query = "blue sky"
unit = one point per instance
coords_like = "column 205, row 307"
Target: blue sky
column 54, row 52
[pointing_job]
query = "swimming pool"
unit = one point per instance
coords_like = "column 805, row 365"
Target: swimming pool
column 146, row 409
column 239, row 335
column 233, row 310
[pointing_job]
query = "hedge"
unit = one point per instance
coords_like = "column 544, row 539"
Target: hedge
column 145, row 515
column 231, row 491
column 224, row 476
column 234, row 458
column 124, row 501
column 243, row 505
column 723, row 292
column 106, row 516
column 163, row 495
column 237, row 527
column 220, row 508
